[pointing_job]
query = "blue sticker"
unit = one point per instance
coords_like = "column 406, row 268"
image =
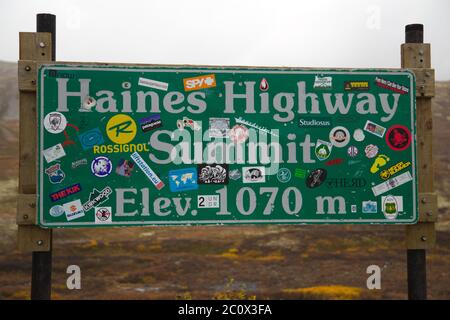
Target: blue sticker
column 183, row 179
column 101, row 167
column 55, row 173
column 90, row 138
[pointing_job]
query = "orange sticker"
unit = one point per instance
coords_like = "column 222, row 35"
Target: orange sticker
column 200, row 82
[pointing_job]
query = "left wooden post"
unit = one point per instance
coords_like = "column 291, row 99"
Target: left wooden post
column 34, row 47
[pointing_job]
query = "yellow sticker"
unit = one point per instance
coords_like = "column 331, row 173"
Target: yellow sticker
column 121, row 129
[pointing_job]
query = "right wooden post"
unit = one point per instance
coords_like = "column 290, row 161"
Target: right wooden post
column 416, row 56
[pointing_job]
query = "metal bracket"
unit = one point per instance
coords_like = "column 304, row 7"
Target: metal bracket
column 26, row 209
column 34, row 238
column 421, row 236
column 428, row 207
column 27, row 75
column 424, row 82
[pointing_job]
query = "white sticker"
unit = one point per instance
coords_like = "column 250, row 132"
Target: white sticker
column 55, row 122
column 73, row 210
column 253, row 174
column 208, row 201
column 391, row 183
column 391, row 206
column 359, row 135
column 56, row 211
column 54, row 153
column 339, row 136
column 153, row 84
column 103, row 215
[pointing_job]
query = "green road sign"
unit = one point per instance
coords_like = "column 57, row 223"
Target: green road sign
column 177, row 145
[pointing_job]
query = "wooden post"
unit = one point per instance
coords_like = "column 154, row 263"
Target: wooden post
column 416, row 55
column 34, row 47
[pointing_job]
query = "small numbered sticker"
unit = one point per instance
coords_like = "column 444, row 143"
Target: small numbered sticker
column 208, row 201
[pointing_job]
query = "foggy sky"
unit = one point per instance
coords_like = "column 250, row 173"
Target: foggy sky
column 233, row 32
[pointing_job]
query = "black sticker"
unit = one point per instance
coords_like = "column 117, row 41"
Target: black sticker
column 316, row 178
column 212, row 174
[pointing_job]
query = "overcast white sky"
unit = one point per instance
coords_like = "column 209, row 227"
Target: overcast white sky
column 233, row 32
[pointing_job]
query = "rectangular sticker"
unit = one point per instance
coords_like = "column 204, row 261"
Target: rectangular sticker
column 183, row 179
column 199, row 82
column 153, row 84
column 54, row 153
column 391, row 183
column 73, row 210
column 64, row 193
column 253, row 174
column 151, row 175
column 213, row 173
column 208, row 201
column 375, row 129
column 150, row 123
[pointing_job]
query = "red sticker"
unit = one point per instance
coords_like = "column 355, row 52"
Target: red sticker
column 398, row 138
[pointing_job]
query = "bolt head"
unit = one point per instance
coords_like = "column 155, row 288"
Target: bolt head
column 429, row 213
column 25, row 217
column 423, row 238
column 424, row 200
column 40, row 242
column 27, row 68
column 42, row 44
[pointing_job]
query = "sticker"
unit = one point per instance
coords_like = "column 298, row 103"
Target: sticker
column 369, row 206
column 334, row 162
column 352, row 151
column 153, row 84
column 379, row 162
column 386, row 174
column 339, row 136
column 151, row 175
column 300, row 173
column 234, row 174
column 101, row 166
column 212, row 173
column 67, row 139
column 183, row 179
column 119, row 148
column 88, row 103
column 219, row 127
column 392, row 206
column 208, row 201
column 121, row 129
column 263, row 85
column 398, row 138
column 323, row 82
column 356, row 85
column 284, row 175
column 124, row 168
column 55, row 173
column 310, row 122
column 56, row 211
column 256, row 126
column 186, row 122
column 103, row 215
column 55, row 122
column 64, row 193
column 353, row 208
column 199, row 82
column 78, row 163
column 346, row 183
column 73, row 210
column 371, row 151
column 90, row 138
column 253, row 174
column 359, row 135
column 54, row 153
column 97, row 197
column 323, row 149
column 391, row 183
column 150, row 123
column 238, row 134
column 374, row 128
column 386, row 84
column 389, row 207
column 316, row 178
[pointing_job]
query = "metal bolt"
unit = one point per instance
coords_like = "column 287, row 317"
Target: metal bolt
column 421, row 52
column 429, row 213
column 423, row 238
column 25, row 217
column 27, row 68
column 40, row 242
column 42, row 44
column 424, row 200
column 32, row 205
column 33, row 81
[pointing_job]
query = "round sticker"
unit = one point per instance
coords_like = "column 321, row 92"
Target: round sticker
column 398, row 138
column 103, row 214
column 55, row 122
column 339, row 136
column 284, row 175
column 358, row 135
column 126, row 85
column 371, row 151
column 101, row 167
column 352, row 151
column 238, row 133
column 390, row 207
column 316, row 178
column 56, row 211
column 121, row 129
